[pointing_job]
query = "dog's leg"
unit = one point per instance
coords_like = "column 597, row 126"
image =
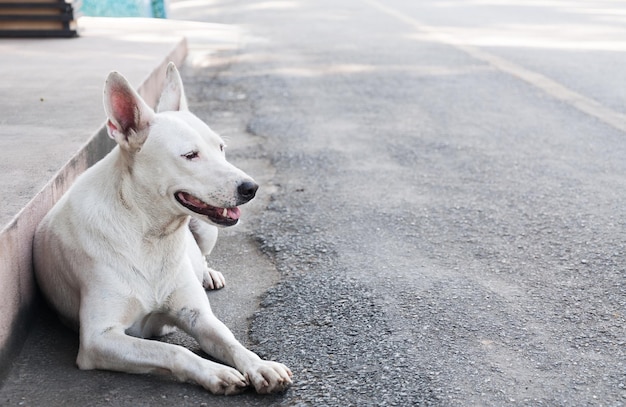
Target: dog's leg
column 205, row 237
column 191, row 309
column 105, row 345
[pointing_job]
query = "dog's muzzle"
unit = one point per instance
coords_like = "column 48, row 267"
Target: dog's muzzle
column 220, row 216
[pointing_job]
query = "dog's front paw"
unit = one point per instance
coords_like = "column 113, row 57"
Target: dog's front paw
column 213, row 279
column 225, row 381
column 269, row 377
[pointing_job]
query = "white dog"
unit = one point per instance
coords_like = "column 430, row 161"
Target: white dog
column 121, row 255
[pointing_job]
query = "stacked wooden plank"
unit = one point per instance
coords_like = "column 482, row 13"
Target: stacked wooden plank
column 37, row 18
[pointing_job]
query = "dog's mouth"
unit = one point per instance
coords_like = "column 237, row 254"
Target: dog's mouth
column 219, row 216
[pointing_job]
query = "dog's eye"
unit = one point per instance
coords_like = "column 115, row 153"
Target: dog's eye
column 222, row 147
column 191, row 155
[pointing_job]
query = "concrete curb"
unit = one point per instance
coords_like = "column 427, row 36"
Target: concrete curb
column 17, row 286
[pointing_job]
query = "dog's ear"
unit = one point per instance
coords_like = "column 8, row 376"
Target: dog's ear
column 173, row 95
column 128, row 115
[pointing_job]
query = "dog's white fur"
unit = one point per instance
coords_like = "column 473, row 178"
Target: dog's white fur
column 122, row 259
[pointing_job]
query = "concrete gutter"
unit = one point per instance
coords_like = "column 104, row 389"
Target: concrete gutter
column 50, row 92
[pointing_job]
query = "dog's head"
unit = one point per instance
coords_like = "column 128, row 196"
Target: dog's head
column 175, row 160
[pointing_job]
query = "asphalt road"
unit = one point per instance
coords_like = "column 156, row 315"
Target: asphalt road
column 441, row 218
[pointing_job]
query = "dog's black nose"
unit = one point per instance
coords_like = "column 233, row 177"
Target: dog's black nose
column 247, row 190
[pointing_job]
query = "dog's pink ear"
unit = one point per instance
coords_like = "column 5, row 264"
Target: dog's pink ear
column 129, row 116
column 173, row 95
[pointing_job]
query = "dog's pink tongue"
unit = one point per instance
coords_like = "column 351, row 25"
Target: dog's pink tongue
column 234, row 213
